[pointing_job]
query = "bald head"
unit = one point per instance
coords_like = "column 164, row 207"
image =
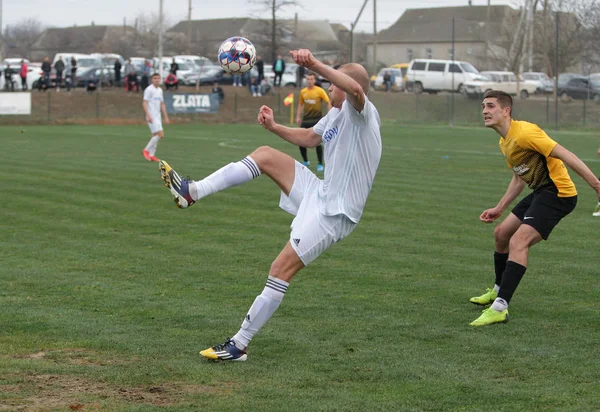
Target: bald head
column 358, row 73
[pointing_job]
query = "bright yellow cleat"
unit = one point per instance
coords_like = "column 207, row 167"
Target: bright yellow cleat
column 486, row 299
column 225, row 351
column 489, row 316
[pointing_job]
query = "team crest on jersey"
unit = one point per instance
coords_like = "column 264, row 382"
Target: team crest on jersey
column 330, row 134
column 521, row 169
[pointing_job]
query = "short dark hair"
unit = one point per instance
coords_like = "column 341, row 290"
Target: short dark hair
column 504, row 99
column 311, row 74
column 155, row 74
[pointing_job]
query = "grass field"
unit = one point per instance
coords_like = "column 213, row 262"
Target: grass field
column 108, row 292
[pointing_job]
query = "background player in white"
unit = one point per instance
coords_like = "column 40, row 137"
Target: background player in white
column 326, row 210
column 153, row 105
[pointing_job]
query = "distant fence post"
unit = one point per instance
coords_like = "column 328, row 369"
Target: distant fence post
column 235, row 105
column 97, row 105
column 48, row 103
column 417, row 107
column 584, row 108
column 547, row 109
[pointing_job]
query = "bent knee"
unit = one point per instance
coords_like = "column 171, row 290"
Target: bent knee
column 502, row 234
column 262, row 156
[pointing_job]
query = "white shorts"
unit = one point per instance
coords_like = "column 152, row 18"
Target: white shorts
column 312, row 232
column 155, row 126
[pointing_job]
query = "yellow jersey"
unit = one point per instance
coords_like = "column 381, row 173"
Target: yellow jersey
column 312, row 100
column 527, row 150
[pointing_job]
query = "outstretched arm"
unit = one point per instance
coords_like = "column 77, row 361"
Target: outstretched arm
column 578, row 166
column 514, row 189
column 354, row 93
column 298, row 136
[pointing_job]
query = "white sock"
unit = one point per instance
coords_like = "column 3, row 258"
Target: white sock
column 496, row 288
column 260, row 312
column 151, row 146
column 233, row 174
column 499, row 305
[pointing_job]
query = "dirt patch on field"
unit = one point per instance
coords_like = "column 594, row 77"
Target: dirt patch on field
column 39, row 392
column 78, row 356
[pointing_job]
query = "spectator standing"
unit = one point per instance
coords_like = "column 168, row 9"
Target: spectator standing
column 73, row 72
column 23, row 74
column 8, row 82
column 278, row 68
column 59, row 67
column 46, row 67
column 174, row 67
column 387, row 80
column 237, row 80
column 260, row 68
column 117, row 68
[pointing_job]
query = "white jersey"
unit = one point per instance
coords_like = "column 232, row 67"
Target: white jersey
column 154, row 97
column 352, row 142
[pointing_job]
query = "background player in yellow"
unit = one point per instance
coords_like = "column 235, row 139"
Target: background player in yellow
column 310, row 111
column 539, row 162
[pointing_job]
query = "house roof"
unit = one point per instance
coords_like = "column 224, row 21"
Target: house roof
column 212, row 30
column 77, row 38
column 435, row 24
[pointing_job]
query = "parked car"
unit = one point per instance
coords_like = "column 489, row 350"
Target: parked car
column 564, row 78
column 544, row 84
column 83, row 60
column 428, row 75
column 397, row 76
column 34, row 72
column 104, row 76
column 209, row 75
column 108, row 59
column 504, row 81
column 288, row 79
column 198, row 61
column 581, row 88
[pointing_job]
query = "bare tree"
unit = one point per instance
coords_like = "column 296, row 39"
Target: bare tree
column 275, row 29
column 21, row 36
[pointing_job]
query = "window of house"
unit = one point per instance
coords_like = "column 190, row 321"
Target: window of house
column 428, row 53
column 436, row 67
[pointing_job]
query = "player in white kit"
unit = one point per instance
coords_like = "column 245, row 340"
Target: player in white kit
column 326, row 211
column 153, row 105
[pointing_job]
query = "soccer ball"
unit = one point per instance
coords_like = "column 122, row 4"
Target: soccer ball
column 237, row 55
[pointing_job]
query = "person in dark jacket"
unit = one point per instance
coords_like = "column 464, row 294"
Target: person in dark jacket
column 73, row 71
column 46, row 67
column 260, row 68
column 59, row 67
column 217, row 89
column 278, row 68
column 174, row 67
column 117, row 73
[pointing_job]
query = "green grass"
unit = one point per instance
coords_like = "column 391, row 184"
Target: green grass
column 108, row 292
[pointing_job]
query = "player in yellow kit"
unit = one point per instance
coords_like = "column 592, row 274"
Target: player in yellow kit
column 539, row 162
column 310, row 111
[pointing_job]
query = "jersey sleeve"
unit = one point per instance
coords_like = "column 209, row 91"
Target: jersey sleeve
column 354, row 114
column 147, row 96
column 534, row 138
column 319, row 128
column 324, row 96
column 301, row 99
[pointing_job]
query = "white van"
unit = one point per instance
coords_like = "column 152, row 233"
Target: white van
column 198, row 61
column 84, row 61
column 428, row 75
column 109, row 59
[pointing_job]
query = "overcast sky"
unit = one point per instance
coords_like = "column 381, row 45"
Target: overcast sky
column 63, row 13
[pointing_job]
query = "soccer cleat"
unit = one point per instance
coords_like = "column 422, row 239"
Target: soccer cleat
column 178, row 186
column 225, row 351
column 154, row 159
column 147, row 155
column 486, row 299
column 320, row 168
column 596, row 211
column 307, row 163
column 489, row 316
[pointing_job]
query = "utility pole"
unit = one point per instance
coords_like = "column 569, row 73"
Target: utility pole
column 189, row 26
column 1, row 35
column 352, row 27
column 160, row 38
column 487, row 35
column 375, row 37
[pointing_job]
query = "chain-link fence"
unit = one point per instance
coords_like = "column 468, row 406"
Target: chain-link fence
column 115, row 106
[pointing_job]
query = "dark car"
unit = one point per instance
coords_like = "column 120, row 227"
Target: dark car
column 104, row 76
column 580, row 88
column 209, row 75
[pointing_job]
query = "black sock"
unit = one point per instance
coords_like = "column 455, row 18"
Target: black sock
column 304, row 154
column 499, row 265
column 510, row 280
column 320, row 154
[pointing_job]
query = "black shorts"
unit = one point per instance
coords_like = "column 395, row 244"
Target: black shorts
column 543, row 209
column 307, row 124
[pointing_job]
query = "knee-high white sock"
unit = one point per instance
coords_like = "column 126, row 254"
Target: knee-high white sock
column 151, row 146
column 261, row 310
column 233, row 174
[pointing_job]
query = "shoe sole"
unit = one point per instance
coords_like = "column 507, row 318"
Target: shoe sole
column 481, row 304
column 164, row 174
column 488, row 324
column 242, row 358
